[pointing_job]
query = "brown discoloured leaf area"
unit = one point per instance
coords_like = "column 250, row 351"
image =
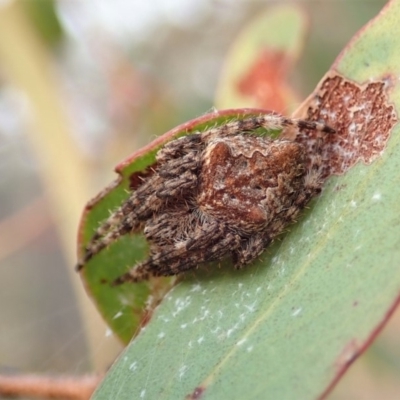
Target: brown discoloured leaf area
column 265, row 81
column 361, row 115
column 348, row 354
column 196, row 394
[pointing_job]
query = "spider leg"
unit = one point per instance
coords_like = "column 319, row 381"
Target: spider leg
column 170, row 260
column 129, row 205
column 305, row 124
column 176, row 149
column 145, row 201
column 250, row 250
column 130, row 218
column 164, row 229
column 254, row 246
column 167, row 260
column 174, row 158
column 173, row 226
column 124, row 220
column 269, row 121
column 176, row 186
column 224, row 247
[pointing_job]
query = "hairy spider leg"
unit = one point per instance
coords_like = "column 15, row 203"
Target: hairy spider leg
column 170, row 256
column 170, row 262
column 305, row 124
column 266, row 121
column 132, row 217
column 169, row 227
column 143, row 202
column 171, row 167
column 250, row 250
column 125, row 219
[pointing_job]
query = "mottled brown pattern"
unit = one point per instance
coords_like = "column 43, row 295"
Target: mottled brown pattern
column 248, row 180
column 361, row 115
column 219, row 193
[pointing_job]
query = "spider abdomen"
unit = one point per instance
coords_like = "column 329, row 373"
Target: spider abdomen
column 248, row 180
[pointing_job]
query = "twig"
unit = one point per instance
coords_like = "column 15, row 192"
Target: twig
column 45, row 387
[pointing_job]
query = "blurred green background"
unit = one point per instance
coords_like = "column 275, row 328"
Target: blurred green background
column 82, row 85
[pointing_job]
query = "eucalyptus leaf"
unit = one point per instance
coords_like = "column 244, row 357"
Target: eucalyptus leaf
column 290, row 324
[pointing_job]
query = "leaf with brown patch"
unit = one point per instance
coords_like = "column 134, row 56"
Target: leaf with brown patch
column 362, row 116
column 281, row 328
column 261, row 58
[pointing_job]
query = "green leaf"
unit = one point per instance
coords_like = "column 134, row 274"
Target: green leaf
column 45, row 19
column 260, row 60
column 289, row 325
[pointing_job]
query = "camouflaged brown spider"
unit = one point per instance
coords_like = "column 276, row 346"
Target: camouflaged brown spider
column 213, row 194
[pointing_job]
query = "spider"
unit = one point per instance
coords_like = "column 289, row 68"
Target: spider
column 214, row 194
